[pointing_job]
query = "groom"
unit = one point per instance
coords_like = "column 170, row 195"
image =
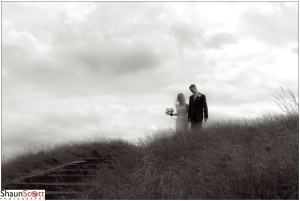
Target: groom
column 197, row 106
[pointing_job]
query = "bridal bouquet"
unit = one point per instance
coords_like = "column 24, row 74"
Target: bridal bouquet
column 169, row 111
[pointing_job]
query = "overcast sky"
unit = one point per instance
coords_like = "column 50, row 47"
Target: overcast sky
column 72, row 70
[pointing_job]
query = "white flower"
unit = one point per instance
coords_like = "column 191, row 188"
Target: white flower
column 199, row 95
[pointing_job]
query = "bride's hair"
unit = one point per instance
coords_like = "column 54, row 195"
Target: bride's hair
column 177, row 97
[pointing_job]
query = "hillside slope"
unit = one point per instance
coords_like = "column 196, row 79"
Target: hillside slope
column 251, row 159
column 256, row 159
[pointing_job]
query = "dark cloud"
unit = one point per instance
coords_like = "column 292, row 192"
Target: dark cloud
column 111, row 56
column 220, row 39
column 187, row 34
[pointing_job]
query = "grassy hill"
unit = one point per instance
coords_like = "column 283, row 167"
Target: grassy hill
column 250, row 159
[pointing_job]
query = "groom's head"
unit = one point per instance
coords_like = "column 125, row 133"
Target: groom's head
column 193, row 88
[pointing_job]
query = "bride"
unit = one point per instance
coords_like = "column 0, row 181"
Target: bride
column 182, row 113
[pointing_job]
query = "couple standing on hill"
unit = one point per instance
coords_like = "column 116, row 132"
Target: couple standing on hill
column 192, row 112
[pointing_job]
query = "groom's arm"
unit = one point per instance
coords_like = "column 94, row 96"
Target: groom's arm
column 189, row 111
column 205, row 107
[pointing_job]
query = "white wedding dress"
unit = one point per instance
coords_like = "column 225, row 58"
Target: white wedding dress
column 182, row 122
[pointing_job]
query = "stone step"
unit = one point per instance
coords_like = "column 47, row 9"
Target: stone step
column 61, row 195
column 46, row 186
column 56, row 178
column 72, row 172
column 59, row 180
column 81, row 166
column 97, row 160
column 94, row 163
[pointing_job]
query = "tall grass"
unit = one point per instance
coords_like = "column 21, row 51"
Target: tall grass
column 253, row 159
column 287, row 101
column 30, row 162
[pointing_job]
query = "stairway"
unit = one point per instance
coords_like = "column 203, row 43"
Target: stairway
column 65, row 181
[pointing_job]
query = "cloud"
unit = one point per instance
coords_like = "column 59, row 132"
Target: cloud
column 277, row 24
column 220, row 39
column 112, row 55
column 186, row 34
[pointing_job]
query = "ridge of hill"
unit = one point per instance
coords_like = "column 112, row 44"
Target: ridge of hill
column 251, row 159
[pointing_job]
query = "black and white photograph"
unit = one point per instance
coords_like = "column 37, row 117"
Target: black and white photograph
column 149, row 100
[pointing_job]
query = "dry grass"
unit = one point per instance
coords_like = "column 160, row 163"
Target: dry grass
column 30, row 163
column 287, row 101
column 257, row 160
column 250, row 159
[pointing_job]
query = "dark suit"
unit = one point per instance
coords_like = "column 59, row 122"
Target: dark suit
column 196, row 109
